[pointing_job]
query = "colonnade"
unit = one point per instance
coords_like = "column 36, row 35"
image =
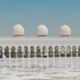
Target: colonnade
column 39, row 51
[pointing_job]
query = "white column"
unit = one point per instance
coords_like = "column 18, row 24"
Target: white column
column 23, row 51
column 9, row 52
column 3, row 51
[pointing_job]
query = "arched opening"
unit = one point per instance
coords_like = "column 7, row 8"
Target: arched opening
column 1, row 53
column 78, row 50
column 74, row 52
column 68, row 51
column 38, row 51
column 44, row 49
column 6, row 51
column 50, row 49
column 13, row 52
column 19, row 51
column 62, row 51
column 56, row 51
column 25, row 51
column 32, row 51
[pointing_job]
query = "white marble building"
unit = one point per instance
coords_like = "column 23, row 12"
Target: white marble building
column 42, row 45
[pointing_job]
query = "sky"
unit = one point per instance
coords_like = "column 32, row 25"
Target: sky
column 31, row 13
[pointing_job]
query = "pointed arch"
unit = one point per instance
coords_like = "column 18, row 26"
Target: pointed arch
column 74, row 51
column 25, row 51
column 56, row 51
column 78, row 50
column 32, row 49
column 1, row 53
column 13, row 51
column 19, row 51
column 6, row 51
column 38, row 51
column 50, row 51
column 44, row 50
column 62, row 52
column 68, row 51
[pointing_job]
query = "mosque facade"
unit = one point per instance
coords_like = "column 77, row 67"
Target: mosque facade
column 41, row 45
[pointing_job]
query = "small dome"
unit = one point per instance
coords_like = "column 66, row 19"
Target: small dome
column 65, row 31
column 42, row 30
column 18, row 30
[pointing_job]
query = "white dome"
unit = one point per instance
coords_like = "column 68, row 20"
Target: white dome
column 18, row 30
column 42, row 30
column 65, row 31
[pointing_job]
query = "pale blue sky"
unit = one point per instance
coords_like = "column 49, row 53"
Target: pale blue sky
column 31, row 13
